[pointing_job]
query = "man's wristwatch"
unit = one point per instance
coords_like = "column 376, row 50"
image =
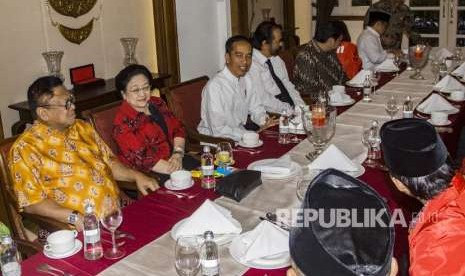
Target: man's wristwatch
column 73, row 217
column 178, row 150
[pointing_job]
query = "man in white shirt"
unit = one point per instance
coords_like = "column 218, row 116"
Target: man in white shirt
column 227, row 100
column 268, row 71
column 369, row 45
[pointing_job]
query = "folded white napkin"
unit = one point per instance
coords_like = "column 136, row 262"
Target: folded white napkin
column 387, row 65
column 460, row 71
column 281, row 165
column 265, row 240
column 339, row 97
column 435, row 103
column 209, row 217
column 360, row 77
column 449, row 84
column 334, row 158
column 442, row 54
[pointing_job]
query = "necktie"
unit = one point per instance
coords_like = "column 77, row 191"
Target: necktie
column 284, row 96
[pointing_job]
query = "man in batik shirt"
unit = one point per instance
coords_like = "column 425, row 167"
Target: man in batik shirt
column 61, row 164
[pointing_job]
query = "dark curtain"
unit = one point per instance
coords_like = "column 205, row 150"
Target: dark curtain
column 324, row 8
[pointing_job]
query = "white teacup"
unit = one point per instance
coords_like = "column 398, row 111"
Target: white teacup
column 181, row 178
column 457, row 95
column 340, row 89
column 250, row 138
column 61, row 241
column 438, row 117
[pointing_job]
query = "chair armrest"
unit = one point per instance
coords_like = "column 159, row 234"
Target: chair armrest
column 49, row 224
column 195, row 138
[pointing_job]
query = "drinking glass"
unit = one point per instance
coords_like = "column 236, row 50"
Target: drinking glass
column 187, row 256
column 320, row 126
column 435, row 68
column 372, row 140
column 397, row 63
column 375, row 79
column 224, row 154
column 392, row 107
column 458, row 54
column 111, row 219
column 294, row 120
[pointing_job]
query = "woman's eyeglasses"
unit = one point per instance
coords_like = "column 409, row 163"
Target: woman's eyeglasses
column 144, row 89
column 69, row 102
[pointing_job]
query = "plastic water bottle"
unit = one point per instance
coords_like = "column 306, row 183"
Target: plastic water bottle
column 283, row 137
column 367, row 89
column 407, row 108
column 209, row 260
column 92, row 244
column 9, row 257
column 208, row 168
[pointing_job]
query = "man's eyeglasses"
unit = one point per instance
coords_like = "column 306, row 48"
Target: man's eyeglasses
column 144, row 89
column 69, row 102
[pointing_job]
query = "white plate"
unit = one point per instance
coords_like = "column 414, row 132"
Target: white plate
column 449, row 112
column 456, row 75
column 237, row 250
column 169, row 186
column 446, row 123
column 76, row 249
column 219, row 239
column 359, row 85
column 259, row 144
column 381, row 70
column 295, row 169
column 351, row 101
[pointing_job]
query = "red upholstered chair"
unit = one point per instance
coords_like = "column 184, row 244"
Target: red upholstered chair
column 184, row 100
column 101, row 119
column 10, row 203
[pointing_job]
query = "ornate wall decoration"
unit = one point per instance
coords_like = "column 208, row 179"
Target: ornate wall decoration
column 74, row 8
column 76, row 36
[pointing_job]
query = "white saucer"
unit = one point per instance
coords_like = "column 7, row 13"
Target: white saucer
column 351, row 101
column 259, row 144
column 219, row 239
column 359, row 85
column 169, row 186
column 446, row 123
column 238, row 248
column 381, row 70
column 457, row 101
column 295, row 169
column 76, row 249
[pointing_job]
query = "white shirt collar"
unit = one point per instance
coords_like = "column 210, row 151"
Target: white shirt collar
column 370, row 29
column 227, row 73
column 260, row 57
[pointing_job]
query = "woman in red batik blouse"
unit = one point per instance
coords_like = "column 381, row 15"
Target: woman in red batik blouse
column 149, row 137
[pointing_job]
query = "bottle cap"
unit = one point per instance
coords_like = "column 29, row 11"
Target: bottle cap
column 208, row 235
column 206, row 148
column 89, row 208
column 6, row 240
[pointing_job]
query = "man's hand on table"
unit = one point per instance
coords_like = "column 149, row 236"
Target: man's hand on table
column 270, row 122
column 145, row 183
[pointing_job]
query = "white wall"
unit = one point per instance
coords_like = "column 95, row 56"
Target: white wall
column 303, row 20
column 26, row 32
column 255, row 7
column 203, row 27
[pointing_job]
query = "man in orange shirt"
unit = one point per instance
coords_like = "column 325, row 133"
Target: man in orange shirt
column 419, row 167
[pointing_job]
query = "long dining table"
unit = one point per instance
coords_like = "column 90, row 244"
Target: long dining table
column 151, row 218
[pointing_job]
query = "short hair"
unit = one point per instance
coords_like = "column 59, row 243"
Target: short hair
column 345, row 32
column 233, row 39
column 327, row 30
column 264, row 32
column 428, row 186
column 40, row 89
column 125, row 76
column 376, row 16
